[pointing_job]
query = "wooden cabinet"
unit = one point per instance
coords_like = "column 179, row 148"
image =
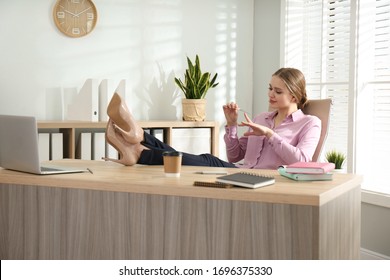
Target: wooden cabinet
column 71, row 130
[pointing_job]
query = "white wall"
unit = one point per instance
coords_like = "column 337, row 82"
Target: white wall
column 266, row 50
column 375, row 229
column 144, row 42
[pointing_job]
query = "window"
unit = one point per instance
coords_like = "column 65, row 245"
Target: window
column 343, row 48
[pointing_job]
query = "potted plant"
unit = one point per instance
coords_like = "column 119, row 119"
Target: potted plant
column 337, row 158
column 195, row 87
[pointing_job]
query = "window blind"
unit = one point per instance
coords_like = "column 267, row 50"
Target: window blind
column 318, row 36
column 317, row 43
column 373, row 120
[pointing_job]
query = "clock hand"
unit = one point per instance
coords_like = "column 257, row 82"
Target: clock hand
column 66, row 11
column 83, row 11
column 74, row 15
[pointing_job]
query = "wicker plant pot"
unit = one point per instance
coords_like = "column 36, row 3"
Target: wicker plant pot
column 194, row 109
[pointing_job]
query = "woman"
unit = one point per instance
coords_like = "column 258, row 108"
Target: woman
column 283, row 136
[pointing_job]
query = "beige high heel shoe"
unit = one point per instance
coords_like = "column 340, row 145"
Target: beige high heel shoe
column 128, row 153
column 124, row 121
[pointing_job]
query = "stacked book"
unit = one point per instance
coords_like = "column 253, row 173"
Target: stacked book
column 308, row 171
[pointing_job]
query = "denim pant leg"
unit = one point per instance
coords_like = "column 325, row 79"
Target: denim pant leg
column 153, row 143
column 153, row 156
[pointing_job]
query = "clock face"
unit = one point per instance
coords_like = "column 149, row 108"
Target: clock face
column 75, row 18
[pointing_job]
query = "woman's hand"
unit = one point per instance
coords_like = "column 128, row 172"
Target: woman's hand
column 257, row 129
column 231, row 113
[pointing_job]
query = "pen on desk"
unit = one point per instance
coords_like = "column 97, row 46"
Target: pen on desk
column 212, row 172
column 89, row 170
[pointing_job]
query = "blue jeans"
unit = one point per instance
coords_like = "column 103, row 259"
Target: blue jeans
column 153, row 156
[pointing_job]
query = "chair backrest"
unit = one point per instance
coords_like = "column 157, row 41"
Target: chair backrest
column 321, row 109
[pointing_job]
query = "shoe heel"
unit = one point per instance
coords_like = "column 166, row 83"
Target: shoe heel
column 125, row 150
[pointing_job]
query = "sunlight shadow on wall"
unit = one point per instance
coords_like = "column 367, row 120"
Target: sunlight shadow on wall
column 160, row 47
column 138, row 41
column 226, row 53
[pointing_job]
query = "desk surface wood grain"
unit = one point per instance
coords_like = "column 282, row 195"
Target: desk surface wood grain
column 109, row 176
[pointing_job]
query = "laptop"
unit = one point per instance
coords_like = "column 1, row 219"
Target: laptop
column 19, row 147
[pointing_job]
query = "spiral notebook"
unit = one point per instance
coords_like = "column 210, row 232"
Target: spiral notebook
column 212, row 184
column 247, row 180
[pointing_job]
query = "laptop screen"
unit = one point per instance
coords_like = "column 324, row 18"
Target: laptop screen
column 19, row 143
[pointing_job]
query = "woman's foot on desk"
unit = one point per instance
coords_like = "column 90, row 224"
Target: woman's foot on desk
column 128, row 153
column 124, row 121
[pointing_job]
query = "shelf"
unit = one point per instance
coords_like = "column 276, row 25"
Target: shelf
column 68, row 128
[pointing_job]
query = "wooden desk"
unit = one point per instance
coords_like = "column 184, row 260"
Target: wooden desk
column 136, row 212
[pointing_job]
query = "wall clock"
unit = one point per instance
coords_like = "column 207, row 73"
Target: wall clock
column 75, row 18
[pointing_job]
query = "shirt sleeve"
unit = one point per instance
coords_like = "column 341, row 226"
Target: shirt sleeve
column 235, row 147
column 304, row 150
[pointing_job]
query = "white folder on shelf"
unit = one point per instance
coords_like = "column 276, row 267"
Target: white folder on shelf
column 84, row 147
column 85, row 105
column 98, row 146
column 44, row 146
column 106, row 90
column 57, row 146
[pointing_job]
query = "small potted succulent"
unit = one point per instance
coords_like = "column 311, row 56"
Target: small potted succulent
column 337, row 158
column 195, row 87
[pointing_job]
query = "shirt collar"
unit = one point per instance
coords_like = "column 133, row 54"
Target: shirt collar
column 297, row 115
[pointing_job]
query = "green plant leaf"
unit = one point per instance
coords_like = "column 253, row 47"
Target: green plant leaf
column 213, row 81
column 198, row 71
column 203, row 79
column 196, row 84
column 190, row 65
column 337, row 158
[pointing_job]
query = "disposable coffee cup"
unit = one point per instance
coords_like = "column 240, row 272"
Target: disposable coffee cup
column 172, row 163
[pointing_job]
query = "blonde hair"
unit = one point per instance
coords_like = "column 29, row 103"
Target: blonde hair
column 295, row 83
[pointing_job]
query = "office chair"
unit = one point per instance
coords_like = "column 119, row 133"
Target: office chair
column 321, row 109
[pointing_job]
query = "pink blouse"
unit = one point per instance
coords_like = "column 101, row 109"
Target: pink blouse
column 295, row 139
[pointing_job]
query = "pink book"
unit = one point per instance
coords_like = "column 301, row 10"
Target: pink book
column 310, row 167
